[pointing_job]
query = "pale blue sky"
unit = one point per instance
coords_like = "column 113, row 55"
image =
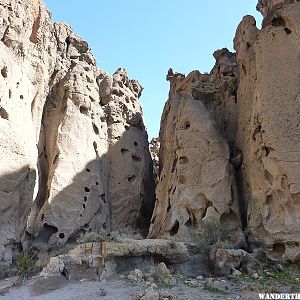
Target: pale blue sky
column 147, row 37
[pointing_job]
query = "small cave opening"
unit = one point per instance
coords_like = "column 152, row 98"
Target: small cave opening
column 287, row 30
column 103, row 198
column 123, row 150
column 4, row 72
column 136, row 158
column 278, row 249
column 88, row 170
column 278, row 21
column 3, row 114
column 131, row 178
column 135, row 143
column 86, row 189
column 46, row 232
column 61, row 235
column 187, row 125
column 96, row 129
column 175, row 228
column 83, row 109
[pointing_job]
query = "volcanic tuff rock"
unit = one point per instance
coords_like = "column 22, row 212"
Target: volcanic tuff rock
column 74, row 150
column 235, row 154
column 268, row 126
column 196, row 176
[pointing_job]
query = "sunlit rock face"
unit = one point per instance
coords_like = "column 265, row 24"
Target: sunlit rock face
column 268, row 126
column 74, row 149
column 197, row 183
column 230, row 140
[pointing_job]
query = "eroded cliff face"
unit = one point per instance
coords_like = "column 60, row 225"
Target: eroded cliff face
column 196, row 176
column 268, row 126
column 74, row 149
column 230, row 140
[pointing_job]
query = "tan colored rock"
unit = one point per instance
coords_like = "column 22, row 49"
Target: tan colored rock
column 154, row 146
column 196, row 177
column 63, row 126
column 226, row 261
column 268, row 127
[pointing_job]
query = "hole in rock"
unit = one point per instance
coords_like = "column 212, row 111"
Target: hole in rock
column 4, row 72
column 267, row 151
column 9, row 93
column 21, row 97
column 3, row 113
column 83, row 109
column 174, row 228
column 95, row 128
column 131, row 178
column 85, row 199
column 169, row 206
column 187, row 125
column 46, row 232
column 287, row 30
column 279, row 249
column 97, row 183
column 86, row 189
column 83, row 206
column 279, row 21
column 135, row 143
column 123, row 150
column 103, row 198
column 88, row 170
column 61, row 235
column 136, row 158
column 95, row 145
column 86, row 226
column 55, row 159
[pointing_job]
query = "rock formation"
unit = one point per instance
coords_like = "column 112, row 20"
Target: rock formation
column 268, row 126
column 196, row 176
column 154, row 147
column 74, row 149
column 230, row 140
column 75, row 155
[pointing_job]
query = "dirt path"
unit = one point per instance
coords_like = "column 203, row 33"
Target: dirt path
column 112, row 290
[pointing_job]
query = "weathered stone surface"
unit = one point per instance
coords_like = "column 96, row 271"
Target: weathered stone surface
column 75, row 146
column 225, row 261
column 154, row 147
column 268, row 126
column 196, row 177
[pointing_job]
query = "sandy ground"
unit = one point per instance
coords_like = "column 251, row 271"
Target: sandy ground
column 113, row 290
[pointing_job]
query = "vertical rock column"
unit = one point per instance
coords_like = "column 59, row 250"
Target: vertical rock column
column 196, row 176
column 268, row 122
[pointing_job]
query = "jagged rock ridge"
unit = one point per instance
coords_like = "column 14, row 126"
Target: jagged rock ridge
column 73, row 145
column 230, row 140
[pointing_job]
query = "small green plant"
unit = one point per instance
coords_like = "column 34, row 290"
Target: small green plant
column 213, row 232
column 26, row 263
column 93, row 237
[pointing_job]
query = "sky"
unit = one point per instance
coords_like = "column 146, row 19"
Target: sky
column 147, row 37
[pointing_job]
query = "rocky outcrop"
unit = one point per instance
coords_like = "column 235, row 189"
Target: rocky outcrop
column 268, row 126
column 196, row 176
column 73, row 145
column 230, row 139
column 154, row 147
